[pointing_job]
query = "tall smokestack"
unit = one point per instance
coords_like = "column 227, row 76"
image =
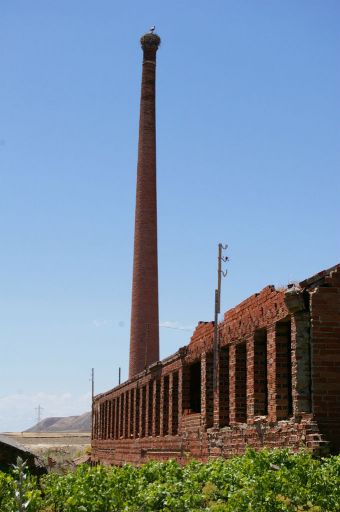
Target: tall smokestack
column 144, row 336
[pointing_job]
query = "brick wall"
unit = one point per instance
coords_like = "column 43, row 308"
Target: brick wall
column 325, row 333
column 278, row 384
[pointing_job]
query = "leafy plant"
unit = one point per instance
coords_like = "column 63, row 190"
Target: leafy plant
column 266, row 481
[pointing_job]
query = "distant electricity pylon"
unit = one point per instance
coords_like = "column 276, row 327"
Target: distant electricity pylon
column 220, row 273
column 39, row 409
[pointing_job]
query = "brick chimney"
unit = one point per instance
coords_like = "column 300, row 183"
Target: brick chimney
column 144, row 335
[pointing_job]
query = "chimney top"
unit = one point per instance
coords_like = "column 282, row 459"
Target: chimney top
column 150, row 41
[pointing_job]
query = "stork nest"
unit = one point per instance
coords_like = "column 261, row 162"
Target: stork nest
column 150, row 40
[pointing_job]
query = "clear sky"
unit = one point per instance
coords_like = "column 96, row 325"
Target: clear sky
column 248, row 154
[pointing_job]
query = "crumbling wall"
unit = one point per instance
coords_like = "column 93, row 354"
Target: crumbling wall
column 278, row 384
column 325, row 355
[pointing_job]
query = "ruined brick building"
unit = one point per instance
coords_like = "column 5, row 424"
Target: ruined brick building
column 276, row 380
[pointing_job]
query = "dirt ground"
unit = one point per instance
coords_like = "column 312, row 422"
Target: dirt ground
column 58, row 447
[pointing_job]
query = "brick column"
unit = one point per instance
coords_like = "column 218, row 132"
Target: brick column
column 136, row 413
column 171, row 405
column 216, row 391
column 147, row 409
column 114, row 413
column 207, row 397
column 271, row 372
column 132, row 412
column 108, row 418
column 141, row 408
column 154, row 411
column 100, row 422
column 232, row 384
column 250, row 379
column 116, row 426
column 143, row 414
column 301, row 362
column 144, row 336
column 180, row 398
column 104, row 420
column 161, row 415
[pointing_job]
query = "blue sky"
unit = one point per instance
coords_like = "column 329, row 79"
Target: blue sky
column 248, row 154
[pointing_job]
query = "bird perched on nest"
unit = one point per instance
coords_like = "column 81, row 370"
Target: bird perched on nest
column 152, row 29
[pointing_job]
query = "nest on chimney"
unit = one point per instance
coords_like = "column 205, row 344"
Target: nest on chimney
column 150, row 40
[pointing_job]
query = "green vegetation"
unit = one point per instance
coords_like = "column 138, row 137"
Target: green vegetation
column 266, row 481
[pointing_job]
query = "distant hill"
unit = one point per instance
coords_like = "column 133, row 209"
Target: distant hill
column 80, row 423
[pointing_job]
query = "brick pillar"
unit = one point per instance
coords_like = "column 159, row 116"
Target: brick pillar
column 100, row 421
column 141, row 406
column 147, row 398
column 180, row 398
column 301, row 362
column 271, row 372
column 144, row 335
column 114, row 413
column 161, row 408
column 136, row 413
column 108, row 415
column 207, row 396
column 104, row 419
column 250, row 379
column 216, row 390
column 109, row 420
column 116, row 425
column 154, row 408
column 171, row 404
column 232, row 384
column 132, row 412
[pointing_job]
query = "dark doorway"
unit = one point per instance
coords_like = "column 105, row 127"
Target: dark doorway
column 260, row 373
column 284, row 399
column 195, row 387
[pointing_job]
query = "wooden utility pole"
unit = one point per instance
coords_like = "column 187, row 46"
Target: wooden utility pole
column 92, row 383
column 220, row 273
